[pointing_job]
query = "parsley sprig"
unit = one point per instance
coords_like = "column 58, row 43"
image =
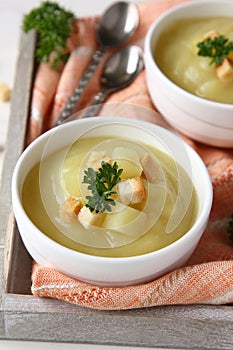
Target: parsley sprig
column 53, row 24
column 216, row 48
column 101, row 184
column 230, row 229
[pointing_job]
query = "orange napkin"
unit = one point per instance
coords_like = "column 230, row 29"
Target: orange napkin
column 208, row 275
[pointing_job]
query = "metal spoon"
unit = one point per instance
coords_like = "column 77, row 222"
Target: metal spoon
column 119, row 71
column 117, row 24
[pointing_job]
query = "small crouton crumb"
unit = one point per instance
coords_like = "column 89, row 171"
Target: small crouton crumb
column 88, row 218
column 131, row 191
column 5, row 92
column 96, row 158
column 70, row 209
column 225, row 70
column 211, row 34
column 230, row 56
column 150, row 168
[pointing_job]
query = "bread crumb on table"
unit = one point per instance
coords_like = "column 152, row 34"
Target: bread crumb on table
column 5, row 92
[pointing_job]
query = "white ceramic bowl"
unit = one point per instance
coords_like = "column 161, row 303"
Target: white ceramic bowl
column 102, row 270
column 201, row 119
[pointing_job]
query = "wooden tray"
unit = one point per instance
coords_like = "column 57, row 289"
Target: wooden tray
column 25, row 317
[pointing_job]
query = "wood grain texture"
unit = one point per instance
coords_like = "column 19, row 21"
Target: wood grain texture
column 25, row 317
column 20, row 101
column 19, row 264
column 187, row 327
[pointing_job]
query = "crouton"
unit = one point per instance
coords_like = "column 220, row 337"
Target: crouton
column 70, row 209
column 150, row 168
column 131, row 191
column 5, row 92
column 230, row 56
column 96, row 158
column 225, row 70
column 211, row 34
column 88, row 218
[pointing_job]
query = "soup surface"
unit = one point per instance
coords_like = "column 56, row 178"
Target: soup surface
column 166, row 214
column 176, row 55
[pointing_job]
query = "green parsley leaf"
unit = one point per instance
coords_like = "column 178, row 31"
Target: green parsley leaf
column 53, row 24
column 101, row 184
column 216, row 48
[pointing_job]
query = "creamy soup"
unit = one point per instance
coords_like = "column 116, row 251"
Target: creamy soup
column 176, row 55
column 165, row 214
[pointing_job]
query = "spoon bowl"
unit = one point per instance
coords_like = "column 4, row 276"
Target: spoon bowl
column 119, row 71
column 117, row 24
column 122, row 67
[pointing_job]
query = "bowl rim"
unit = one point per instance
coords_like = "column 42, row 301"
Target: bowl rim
column 16, row 200
column 148, row 51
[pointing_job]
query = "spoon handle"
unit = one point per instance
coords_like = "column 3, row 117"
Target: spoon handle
column 96, row 104
column 77, row 94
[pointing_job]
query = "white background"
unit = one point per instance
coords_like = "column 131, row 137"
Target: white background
column 11, row 14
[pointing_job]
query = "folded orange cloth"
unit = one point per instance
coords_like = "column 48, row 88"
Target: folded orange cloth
column 208, row 275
